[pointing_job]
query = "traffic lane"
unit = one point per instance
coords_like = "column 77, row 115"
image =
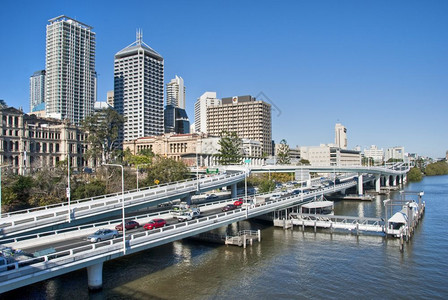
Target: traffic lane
column 82, row 241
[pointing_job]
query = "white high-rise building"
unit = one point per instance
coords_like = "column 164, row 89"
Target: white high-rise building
column 376, row 154
column 175, row 92
column 37, row 89
column 70, row 70
column 395, row 153
column 340, row 138
column 200, row 110
column 138, row 89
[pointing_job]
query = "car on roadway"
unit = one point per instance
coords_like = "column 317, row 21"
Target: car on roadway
column 155, row 223
column 211, row 197
column 238, row 202
column 229, row 207
column 275, row 197
column 128, row 225
column 102, row 234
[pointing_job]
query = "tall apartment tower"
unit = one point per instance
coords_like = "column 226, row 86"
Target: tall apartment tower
column 200, row 110
column 248, row 117
column 175, row 92
column 70, row 70
column 340, row 134
column 138, row 89
column 37, row 89
column 110, row 98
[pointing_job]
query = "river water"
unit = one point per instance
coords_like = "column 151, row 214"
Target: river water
column 289, row 264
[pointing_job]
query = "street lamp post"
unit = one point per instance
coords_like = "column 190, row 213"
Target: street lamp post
column 1, row 188
column 68, row 187
column 122, row 204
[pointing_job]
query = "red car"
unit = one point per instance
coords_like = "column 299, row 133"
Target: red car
column 238, row 202
column 155, row 223
column 128, row 225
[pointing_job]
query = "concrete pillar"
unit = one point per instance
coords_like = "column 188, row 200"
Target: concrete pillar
column 394, row 180
column 187, row 199
column 360, row 185
column 308, row 182
column 386, row 180
column 233, row 191
column 343, row 191
column 377, row 183
column 95, row 276
column 405, row 178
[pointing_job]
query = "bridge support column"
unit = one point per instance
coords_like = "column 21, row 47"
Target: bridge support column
column 187, row 199
column 233, row 191
column 377, row 183
column 343, row 192
column 386, row 180
column 394, row 180
column 405, row 178
column 95, row 277
column 360, row 185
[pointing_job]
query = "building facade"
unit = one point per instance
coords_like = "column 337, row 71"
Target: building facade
column 70, row 81
column 376, row 154
column 328, row 155
column 175, row 92
column 176, row 120
column 244, row 115
column 340, row 136
column 37, row 89
column 138, row 90
column 200, row 149
column 29, row 143
column 200, row 110
column 110, row 98
column 395, row 153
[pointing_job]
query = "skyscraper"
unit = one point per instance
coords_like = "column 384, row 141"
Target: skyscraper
column 138, row 89
column 340, row 138
column 200, row 110
column 247, row 117
column 175, row 92
column 37, row 89
column 70, row 69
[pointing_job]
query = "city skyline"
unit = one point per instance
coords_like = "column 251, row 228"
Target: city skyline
column 377, row 68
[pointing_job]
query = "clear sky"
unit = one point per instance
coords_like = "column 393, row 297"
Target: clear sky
column 378, row 67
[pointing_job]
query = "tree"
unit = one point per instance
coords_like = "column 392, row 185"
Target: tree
column 230, row 152
column 304, row 162
column 437, row 168
column 103, row 128
column 283, row 153
column 415, row 174
column 164, row 170
column 266, row 186
column 3, row 104
column 143, row 157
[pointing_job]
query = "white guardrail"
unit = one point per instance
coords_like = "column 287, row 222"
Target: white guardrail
column 90, row 254
column 42, row 217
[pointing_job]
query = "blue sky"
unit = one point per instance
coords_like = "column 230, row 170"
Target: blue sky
column 378, row 67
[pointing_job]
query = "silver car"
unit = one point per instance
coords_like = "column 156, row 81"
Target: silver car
column 102, row 234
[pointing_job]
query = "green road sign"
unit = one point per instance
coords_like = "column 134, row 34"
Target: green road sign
column 212, row 171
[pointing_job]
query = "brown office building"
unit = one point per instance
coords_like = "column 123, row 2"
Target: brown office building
column 249, row 118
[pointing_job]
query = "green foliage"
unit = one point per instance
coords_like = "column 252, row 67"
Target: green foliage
column 3, row 104
column 283, row 153
column 165, row 170
column 304, row 162
column 89, row 189
column 437, row 168
column 415, row 174
column 102, row 131
column 144, row 157
column 16, row 191
column 266, row 186
column 230, row 152
column 392, row 160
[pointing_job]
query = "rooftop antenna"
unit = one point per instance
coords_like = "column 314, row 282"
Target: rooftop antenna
column 139, row 36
